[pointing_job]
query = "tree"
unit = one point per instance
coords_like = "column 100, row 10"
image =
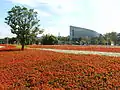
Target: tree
column 24, row 23
column 94, row 41
column 49, row 40
column 64, row 39
column 118, row 38
column 112, row 36
column 101, row 40
column 8, row 40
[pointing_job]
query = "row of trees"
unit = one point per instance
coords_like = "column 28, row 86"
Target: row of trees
column 106, row 39
column 45, row 40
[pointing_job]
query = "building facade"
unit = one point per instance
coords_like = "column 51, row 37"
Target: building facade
column 77, row 32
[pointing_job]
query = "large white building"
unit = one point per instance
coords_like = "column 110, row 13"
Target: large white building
column 77, row 32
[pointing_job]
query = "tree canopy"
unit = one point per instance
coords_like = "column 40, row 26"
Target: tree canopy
column 49, row 40
column 24, row 23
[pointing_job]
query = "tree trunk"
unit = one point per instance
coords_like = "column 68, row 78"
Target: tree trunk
column 22, row 47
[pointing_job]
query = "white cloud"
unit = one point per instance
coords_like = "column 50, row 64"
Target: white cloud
column 5, row 31
column 32, row 3
column 61, row 6
column 24, row 2
column 100, row 15
column 57, row 6
column 57, row 29
column 107, row 15
column 42, row 13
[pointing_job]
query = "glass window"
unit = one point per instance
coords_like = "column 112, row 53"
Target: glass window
column 72, row 32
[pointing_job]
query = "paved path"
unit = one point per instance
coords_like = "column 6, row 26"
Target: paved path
column 84, row 52
column 1, row 46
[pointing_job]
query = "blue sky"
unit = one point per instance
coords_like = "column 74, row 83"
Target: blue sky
column 57, row 15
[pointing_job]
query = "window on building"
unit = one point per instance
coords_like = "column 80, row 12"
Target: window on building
column 72, row 32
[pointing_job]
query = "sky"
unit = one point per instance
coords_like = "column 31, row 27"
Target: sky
column 56, row 16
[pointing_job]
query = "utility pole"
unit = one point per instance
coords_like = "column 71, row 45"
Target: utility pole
column 58, row 37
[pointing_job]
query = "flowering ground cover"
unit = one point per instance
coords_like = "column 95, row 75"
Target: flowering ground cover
column 78, row 47
column 48, row 70
column 7, row 47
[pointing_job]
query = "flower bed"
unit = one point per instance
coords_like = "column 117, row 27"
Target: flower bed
column 58, row 71
column 7, row 47
column 86, row 48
